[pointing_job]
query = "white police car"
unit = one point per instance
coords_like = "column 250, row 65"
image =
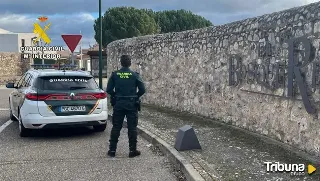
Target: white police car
column 51, row 98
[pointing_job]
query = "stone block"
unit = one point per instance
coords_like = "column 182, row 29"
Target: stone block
column 186, row 139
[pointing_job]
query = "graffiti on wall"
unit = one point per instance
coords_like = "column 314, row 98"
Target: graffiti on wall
column 289, row 75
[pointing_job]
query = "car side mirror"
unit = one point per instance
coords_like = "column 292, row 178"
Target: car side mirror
column 10, row 85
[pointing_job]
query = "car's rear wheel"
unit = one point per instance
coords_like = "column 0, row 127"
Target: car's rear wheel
column 11, row 114
column 100, row 128
column 24, row 132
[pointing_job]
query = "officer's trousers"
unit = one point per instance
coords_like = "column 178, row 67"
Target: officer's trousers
column 120, row 111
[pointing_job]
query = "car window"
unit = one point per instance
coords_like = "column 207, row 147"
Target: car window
column 21, row 81
column 66, row 83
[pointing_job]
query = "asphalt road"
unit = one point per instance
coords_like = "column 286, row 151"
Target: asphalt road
column 74, row 154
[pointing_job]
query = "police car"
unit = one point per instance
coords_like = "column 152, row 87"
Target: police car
column 47, row 97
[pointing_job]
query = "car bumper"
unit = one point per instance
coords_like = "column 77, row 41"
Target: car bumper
column 36, row 121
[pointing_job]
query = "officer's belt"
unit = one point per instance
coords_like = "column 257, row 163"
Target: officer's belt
column 126, row 97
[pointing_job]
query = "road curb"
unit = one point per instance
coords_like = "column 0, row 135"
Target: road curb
column 174, row 156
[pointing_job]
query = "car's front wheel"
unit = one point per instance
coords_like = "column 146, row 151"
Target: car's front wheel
column 24, row 132
column 100, row 128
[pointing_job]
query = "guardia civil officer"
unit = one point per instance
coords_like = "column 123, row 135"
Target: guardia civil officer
column 122, row 86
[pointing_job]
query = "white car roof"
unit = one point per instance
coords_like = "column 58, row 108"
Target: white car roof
column 54, row 72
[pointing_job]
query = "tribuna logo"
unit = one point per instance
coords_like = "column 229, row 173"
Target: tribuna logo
column 295, row 169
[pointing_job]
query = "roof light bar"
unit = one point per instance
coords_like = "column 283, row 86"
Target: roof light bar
column 54, row 66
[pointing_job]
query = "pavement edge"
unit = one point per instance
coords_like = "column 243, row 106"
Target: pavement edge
column 174, row 156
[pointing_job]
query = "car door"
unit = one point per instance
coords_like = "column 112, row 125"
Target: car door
column 21, row 91
column 15, row 95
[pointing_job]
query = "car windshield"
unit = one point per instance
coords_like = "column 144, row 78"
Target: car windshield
column 66, row 83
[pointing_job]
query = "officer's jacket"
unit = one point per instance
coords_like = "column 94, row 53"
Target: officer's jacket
column 124, row 83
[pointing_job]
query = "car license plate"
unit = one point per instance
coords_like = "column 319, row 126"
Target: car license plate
column 72, row 108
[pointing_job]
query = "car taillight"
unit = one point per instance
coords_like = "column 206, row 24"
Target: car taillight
column 91, row 96
column 42, row 97
column 101, row 95
column 58, row 97
column 32, row 97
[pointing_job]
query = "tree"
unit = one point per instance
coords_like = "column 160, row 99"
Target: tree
column 124, row 22
column 180, row 20
column 128, row 22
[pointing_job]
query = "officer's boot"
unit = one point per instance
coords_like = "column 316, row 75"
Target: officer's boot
column 111, row 153
column 133, row 150
column 134, row 153
column 112, row 148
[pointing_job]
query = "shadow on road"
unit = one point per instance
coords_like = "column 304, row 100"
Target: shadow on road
column 62, row 133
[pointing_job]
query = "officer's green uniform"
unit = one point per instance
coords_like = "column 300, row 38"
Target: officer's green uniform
column 125, row 82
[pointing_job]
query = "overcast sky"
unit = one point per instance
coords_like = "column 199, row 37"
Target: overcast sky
column 73, row 16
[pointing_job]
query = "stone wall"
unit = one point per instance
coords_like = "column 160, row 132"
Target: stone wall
column 196, row 71
column 11, row 66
